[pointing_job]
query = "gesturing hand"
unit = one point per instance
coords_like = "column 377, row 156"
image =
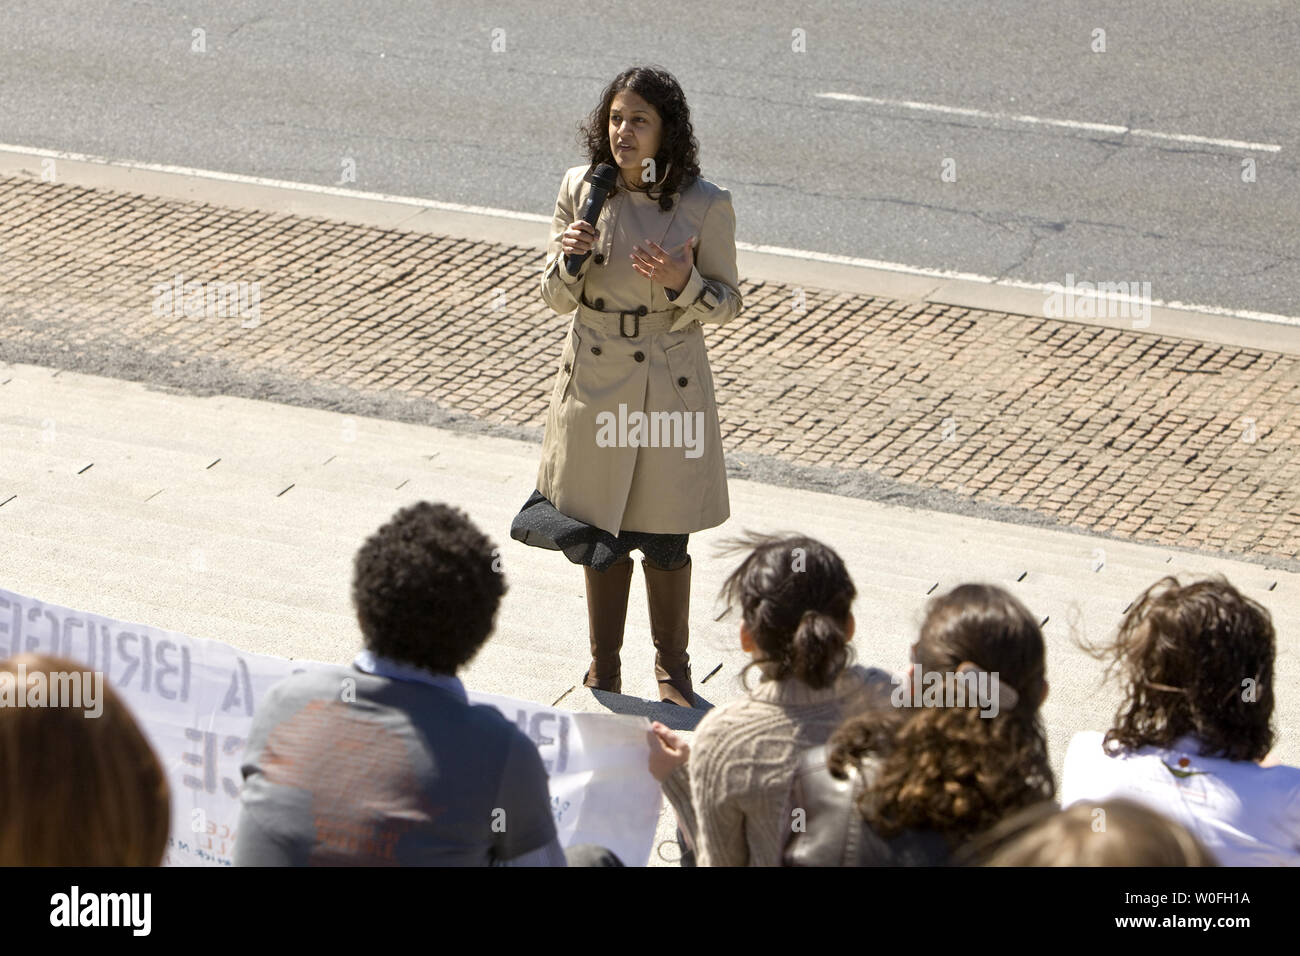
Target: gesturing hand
column 659, row 265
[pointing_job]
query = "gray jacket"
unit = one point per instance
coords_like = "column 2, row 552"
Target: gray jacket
column 833, row 833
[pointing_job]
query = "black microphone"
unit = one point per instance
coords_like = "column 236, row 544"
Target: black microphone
column 602, row 180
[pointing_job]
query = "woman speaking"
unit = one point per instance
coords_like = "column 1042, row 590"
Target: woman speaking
column 632, row 454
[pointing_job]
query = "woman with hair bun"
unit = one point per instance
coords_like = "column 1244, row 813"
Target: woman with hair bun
column 729, row 788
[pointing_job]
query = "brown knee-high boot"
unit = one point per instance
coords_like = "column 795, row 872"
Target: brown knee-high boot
column 669, row 596
column 607, row 593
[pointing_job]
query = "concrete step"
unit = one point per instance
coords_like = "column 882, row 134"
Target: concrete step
column 324, row 427
column 230, row 487
column 963, row 556
column 214, row 517
column 271, row 571
column 132, row 589
column 970, row 552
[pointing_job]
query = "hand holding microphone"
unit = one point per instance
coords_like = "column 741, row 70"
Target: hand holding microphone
column 580, row 235
column 578, row 239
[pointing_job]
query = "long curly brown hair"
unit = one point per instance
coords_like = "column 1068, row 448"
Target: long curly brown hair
column 1194, row 660
column 678, row 150
column 949, row 769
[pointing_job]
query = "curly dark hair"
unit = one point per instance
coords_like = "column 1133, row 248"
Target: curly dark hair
column 949, row 769
column 678, row 150
column 1186, row 654
column 426, row 587
column 795, row 595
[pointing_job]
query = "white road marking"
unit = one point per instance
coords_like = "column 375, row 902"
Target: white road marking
column 811, row 256
column 1041, row 121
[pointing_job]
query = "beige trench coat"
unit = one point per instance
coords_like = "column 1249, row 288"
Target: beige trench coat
column 601, row 463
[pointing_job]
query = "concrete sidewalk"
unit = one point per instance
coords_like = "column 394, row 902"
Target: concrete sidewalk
column 237, row 520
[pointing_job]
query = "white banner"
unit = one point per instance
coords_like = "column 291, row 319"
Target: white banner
column 195, row 698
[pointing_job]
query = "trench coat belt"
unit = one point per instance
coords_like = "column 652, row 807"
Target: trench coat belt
column 630, row 323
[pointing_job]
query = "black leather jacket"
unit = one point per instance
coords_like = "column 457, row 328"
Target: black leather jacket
column 831, row 832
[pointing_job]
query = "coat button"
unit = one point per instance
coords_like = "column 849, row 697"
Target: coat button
column 598, row 304
column 641, row 310
column 595, row 350
column 682, row 381
column 599, row 257
column 639, row 356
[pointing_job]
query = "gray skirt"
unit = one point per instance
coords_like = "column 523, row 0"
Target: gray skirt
column 540, row 525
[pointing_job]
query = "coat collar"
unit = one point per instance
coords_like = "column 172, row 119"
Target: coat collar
column 623, row 190
column 610, row 209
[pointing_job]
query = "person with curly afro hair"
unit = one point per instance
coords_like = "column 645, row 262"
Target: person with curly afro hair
column 387, row 762
column 426, row 587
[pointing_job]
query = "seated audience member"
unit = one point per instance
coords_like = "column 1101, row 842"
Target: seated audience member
column 795, row 596
column 1196, row 671
column 79, row 783
column 386, row 762
column 1112, row 833
column 961, row 747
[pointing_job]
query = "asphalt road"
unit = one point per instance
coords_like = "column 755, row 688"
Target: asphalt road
column 414, row 94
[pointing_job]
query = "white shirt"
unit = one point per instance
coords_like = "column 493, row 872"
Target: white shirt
column 372, row 663
column 1245, row 814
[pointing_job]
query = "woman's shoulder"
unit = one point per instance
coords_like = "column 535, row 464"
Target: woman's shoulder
column 704, row 190
column 573, row 177
column 877, row 679
column 863, row 688
column 1091, row 771
column 574, row 180
column 722, row 716
column 735, row 724
column 774, row 704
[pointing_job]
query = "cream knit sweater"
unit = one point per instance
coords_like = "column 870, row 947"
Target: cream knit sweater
column 730, row 796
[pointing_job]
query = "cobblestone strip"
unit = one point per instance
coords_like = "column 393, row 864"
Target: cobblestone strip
column 1158, row 439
